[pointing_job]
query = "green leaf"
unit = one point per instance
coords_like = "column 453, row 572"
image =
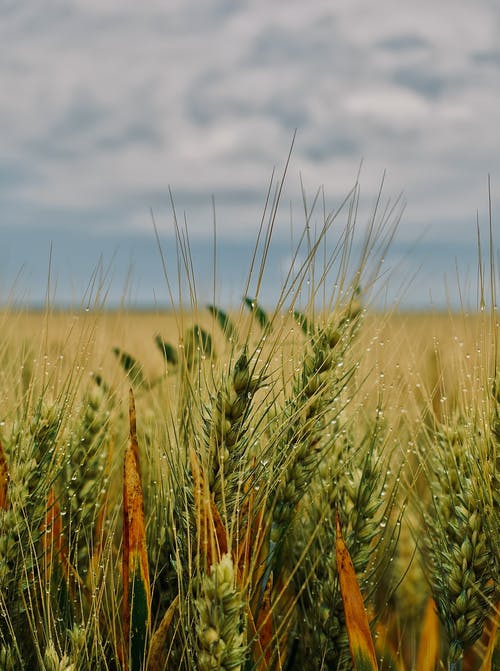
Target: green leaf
column 225, row 323
column 169, row 352
column 259, row 313
column 131, row 366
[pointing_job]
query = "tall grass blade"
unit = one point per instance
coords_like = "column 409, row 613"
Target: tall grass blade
column 136, row 589
column 358, row 629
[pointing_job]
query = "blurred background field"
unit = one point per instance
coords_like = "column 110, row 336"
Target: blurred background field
column 410, row 356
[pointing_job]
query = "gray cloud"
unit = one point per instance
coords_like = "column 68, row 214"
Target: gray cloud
column 423, row 83
column 487, row 57
column 404, row 42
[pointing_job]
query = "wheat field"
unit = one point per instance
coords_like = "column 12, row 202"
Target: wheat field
column 309, row 485
column 415, row 396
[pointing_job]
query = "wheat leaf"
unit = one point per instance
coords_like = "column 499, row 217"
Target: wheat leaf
column 156, row 656
column 168, row 350
column 136, row 590
column 358, row 629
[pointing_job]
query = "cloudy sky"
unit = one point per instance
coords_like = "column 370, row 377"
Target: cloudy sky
column 105, row 105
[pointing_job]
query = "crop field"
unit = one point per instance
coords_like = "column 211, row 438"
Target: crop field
column 309, row 486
